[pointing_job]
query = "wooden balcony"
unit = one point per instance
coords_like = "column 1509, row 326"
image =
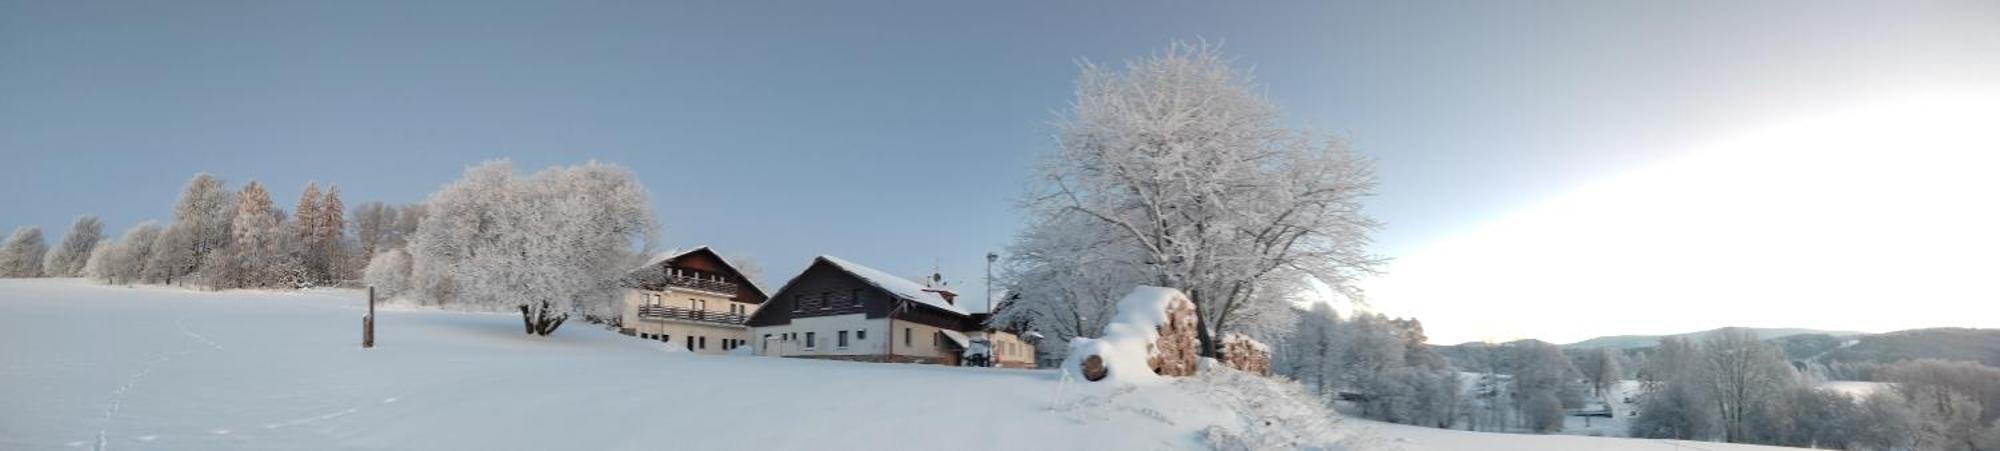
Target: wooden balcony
column 724, row 289
column 662, row 312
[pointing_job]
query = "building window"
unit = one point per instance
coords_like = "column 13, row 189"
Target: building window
column 861, row 334
column 704, row 342
column 809, row 340
column 842, row 340
column 690, row 343
column 825, row 300
column 906, row 336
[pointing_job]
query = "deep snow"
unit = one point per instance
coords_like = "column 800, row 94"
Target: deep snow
column 89, row 366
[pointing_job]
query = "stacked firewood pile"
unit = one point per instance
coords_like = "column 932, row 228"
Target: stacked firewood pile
column 1245, row 354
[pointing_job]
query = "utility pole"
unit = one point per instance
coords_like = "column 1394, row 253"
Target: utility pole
column 992, row 346
column 990, row 258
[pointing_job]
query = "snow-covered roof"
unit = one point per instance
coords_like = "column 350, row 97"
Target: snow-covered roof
column 957, row 337
column 671, row 255
column 897, row 286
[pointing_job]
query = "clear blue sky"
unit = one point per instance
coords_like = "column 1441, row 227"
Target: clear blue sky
column 899, row 133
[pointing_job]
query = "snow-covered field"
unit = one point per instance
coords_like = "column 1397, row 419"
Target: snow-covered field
column 1415, row 437
column 1856, row 389
column 87, row 366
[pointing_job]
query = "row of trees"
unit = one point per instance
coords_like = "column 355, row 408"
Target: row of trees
column 1522, row 385
column 551, row 245
column 222, row 238
column 1387, row 370
column 1735, row 387
column 1381, row 364
column 26, row 254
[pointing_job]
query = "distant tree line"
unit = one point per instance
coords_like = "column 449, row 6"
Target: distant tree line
column 552, row 245
column 1735, row 387
column 219, row 238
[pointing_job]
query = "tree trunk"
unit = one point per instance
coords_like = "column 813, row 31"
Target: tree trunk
column 538, row 321
column 1208, row 347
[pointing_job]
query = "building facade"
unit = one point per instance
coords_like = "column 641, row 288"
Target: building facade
column 837, row 309
column 694, row 299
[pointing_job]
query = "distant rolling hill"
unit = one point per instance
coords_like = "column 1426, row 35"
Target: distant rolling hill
column 1647, row 341
column 1978, row 345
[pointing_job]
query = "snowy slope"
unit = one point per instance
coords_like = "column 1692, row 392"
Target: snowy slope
column 153, row 367
column 84, row 366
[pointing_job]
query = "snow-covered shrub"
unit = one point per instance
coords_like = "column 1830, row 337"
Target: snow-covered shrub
column 389, row 272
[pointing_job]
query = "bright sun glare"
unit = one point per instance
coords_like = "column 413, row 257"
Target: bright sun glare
column 1874, row 218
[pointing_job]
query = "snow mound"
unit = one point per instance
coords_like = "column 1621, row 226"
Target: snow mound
column 1127, row 342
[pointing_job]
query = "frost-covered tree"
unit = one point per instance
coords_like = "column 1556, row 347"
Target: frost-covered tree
column 1808, row 417
column 99, row 264
column 1887, row 422
column 256, row 251
column 408, row 217
column 1541, row 373
column 127, row 262
column 1064, row 279
column 375, row 228
column 1191, row 168
column 1541, row 412
column 1674, row 360
column 304, row 229
column 1955, row 401
column 389, row 272
column 1675, row 410
column 1740, row 372
column 330, row 235
column 1603, row 369
column 551, row 245
column 1310, row 354
column 67, row 258
column 202, row 218
column 21, row 256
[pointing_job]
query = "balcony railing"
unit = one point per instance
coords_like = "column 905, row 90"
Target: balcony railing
column 687, row 314
column 709, row 285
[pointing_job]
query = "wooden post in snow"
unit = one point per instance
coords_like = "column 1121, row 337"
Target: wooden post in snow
column 368, row 322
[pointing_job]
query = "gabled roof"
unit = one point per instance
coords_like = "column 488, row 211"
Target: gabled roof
column 672, row 256
column 896, row 286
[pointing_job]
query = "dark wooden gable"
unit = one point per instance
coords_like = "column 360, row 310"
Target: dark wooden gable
column 824, row 289
column 704, row 260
